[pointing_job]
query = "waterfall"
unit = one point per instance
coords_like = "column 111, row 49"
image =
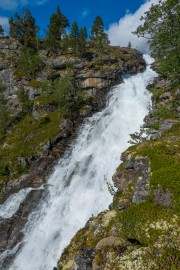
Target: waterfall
column 76, row 188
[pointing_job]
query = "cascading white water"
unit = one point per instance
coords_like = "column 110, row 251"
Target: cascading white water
column 77, row 188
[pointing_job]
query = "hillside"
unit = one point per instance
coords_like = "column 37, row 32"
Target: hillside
column 36, row 120
column 141, row 228
column 38, row 126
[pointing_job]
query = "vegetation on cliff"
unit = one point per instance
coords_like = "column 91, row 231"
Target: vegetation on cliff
column 142, row 228
column 160, row 25
column 46, row 83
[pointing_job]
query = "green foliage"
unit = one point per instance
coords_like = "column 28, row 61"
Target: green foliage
column 165, row 165
column 35, row 84
column 56, row 30
column 1, row 31
column 78, row 39
column 28, row 63
column 129, row 45
column 23, row 29
column 110, row 187
column 136, row 216
column 24, row 140
column 82, row 42
column 4, row 112
column 162, row 112
column 98, row 35
column 74, row 35
column 68, row 95
column 161, row 25
column 24, row 99
column 138, row 137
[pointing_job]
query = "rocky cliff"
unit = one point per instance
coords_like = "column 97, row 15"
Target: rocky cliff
column 36, row 126
column 38, row 131
column 140, row 230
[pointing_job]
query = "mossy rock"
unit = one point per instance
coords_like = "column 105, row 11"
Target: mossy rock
column 111, row 241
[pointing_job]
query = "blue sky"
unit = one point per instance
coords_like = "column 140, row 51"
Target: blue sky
column 83, row 11
column 120, row 17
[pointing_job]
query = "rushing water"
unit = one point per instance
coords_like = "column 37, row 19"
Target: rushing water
column 77, row 188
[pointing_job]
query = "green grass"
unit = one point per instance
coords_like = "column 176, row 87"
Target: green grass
column 24, row 140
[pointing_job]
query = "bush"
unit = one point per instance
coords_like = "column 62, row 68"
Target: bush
column 28, row 63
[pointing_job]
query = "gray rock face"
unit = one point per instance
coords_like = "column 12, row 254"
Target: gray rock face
column 11, row 229
column 137, row 172
column 142, row 185
column 85, row 259
column 163, row 197
column 167, row 124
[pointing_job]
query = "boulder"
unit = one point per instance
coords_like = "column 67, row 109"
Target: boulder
column 110, row 241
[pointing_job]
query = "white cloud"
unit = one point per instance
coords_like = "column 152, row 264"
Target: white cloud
column 13, row 4
column 4, row 21
column 85, row 12
column 121, row 33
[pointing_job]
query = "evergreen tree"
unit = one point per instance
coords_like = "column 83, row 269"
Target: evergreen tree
column 4, row 114
column 161, row 26
column 98, row 35
column 68, row 95
column 129, row 45
column 1, row 31
column 82, row 41
column 74, row 36
column 24, row 29
column 56, row 29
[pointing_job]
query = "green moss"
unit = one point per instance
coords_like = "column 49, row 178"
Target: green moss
column 35, row 84
column 136, row 216
column 76, row 245
column 165, row 167
column 164, row 112
column 25, row 140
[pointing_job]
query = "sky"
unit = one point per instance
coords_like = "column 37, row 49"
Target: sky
column 120, row 17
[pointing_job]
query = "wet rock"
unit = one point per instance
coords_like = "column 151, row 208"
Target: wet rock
column 163, row 198
column 11, row 229
column 110, row 206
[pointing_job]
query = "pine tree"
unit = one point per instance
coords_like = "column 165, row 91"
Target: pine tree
column 24, row 29
column 1, row 31
column 56, row 29
column 82, row 41
column 74, row 36
column 98, row 35
column 129, row 45
column 4, row 114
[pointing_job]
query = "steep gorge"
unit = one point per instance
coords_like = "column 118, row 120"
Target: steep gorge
column 40, row 161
